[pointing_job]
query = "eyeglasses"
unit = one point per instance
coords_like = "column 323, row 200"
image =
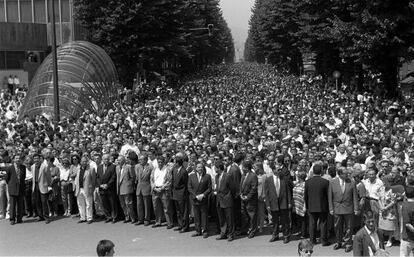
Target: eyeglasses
column 307, row 251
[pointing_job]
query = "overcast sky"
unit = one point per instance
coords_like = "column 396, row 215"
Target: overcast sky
column 237, row 14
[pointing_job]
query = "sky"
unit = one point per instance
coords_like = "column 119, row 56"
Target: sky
column 237, row 14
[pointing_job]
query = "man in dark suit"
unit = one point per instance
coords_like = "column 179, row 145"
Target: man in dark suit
column 233, row 169
column 106, row 177
column 125, row 188
column 143, row 171
column 316, row 203
column 366, row 240
column 199, row 188
column 249, row 198
column 278, row 201
column 179, row 184
column 343, row 204
column 15, row 177
column 224, row 202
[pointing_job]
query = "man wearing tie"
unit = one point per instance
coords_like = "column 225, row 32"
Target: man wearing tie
column 42, row 180
column 278, row 201
column 199, row 187
column 343, row 203
column 179, row 184
column 143, row 171
column 233, row 169
column 125, row 188
column 15, row 177
column 106, row 179
column 249, row 198
column 225, row 191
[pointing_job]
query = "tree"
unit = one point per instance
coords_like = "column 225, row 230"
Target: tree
column 150, row 32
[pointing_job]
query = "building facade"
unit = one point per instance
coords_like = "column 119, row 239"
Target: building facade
column 25, row 34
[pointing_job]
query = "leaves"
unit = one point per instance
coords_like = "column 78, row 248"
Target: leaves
column 150, row 32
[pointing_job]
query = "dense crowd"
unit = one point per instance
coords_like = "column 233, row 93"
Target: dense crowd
column 236, row 148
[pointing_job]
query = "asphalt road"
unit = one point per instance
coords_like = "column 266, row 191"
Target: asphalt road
column 64, row 237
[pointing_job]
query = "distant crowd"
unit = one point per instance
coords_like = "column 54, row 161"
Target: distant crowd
column 235, row 149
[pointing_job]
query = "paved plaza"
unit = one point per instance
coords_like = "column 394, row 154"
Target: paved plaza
column 65, row 237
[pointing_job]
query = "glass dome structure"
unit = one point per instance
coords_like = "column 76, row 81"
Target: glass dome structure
column 87, row 80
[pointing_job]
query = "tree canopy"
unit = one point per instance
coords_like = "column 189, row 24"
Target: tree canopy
column 345, row 34
column 150, row 33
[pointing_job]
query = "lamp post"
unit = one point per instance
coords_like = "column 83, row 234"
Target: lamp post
column 55, row 70
column 336, row 74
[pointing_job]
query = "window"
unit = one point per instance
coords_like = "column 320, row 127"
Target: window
column 12, row 11
column 40, row 11
column 2, row 60
column 65, row 10
column 15, row 59
column 2, row 17
column 26, row 10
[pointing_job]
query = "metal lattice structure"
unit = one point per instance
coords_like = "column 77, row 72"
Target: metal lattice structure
column 87, row 80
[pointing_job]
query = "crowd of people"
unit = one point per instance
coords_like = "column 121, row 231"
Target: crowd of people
column 236, row 149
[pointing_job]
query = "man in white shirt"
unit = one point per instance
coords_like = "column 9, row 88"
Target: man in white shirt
column 160, row 185
column 372, row 185
column 129, row 146
column 366, row 241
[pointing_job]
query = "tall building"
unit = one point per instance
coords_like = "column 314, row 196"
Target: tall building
column 25, row 40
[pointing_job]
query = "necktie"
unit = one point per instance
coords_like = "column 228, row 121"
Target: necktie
column 199, row 178
column 104, row 169
column 343, row 186
column 219, row 181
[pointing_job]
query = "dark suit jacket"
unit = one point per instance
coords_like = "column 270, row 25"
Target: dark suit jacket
column 274, row 201
column 316, row 194
column 248, row 187
column 16, row 186
column 195, row 188
column 342, row 203
column 361, row 242
column 225, row 191
column 179, row 183
column 125, row 182
column 143, row 175
column 236, row 175
column 109, row 178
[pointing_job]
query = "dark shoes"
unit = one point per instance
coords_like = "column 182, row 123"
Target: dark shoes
column 146, row 223
column 89, row 221
column 196, row 234
column 326, row 244
column 113, row 221
column 230, row 239
column 156, row 225
column 12, row 222
column 127, row 220
column 222, row 237
column 19, row 221
column 273, row 239
column 251, row 235
column 286, row 240
column 108, row 220
column 139, row 223
column 337, row 246
column 177, row 229
column 81, row 221
column 40, row 219
column 47, row 221
column 170, row 226
column 205, row 235
column 184, row 230
column 348, row 249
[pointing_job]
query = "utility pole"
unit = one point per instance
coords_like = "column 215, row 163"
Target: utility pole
column 55, row 70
